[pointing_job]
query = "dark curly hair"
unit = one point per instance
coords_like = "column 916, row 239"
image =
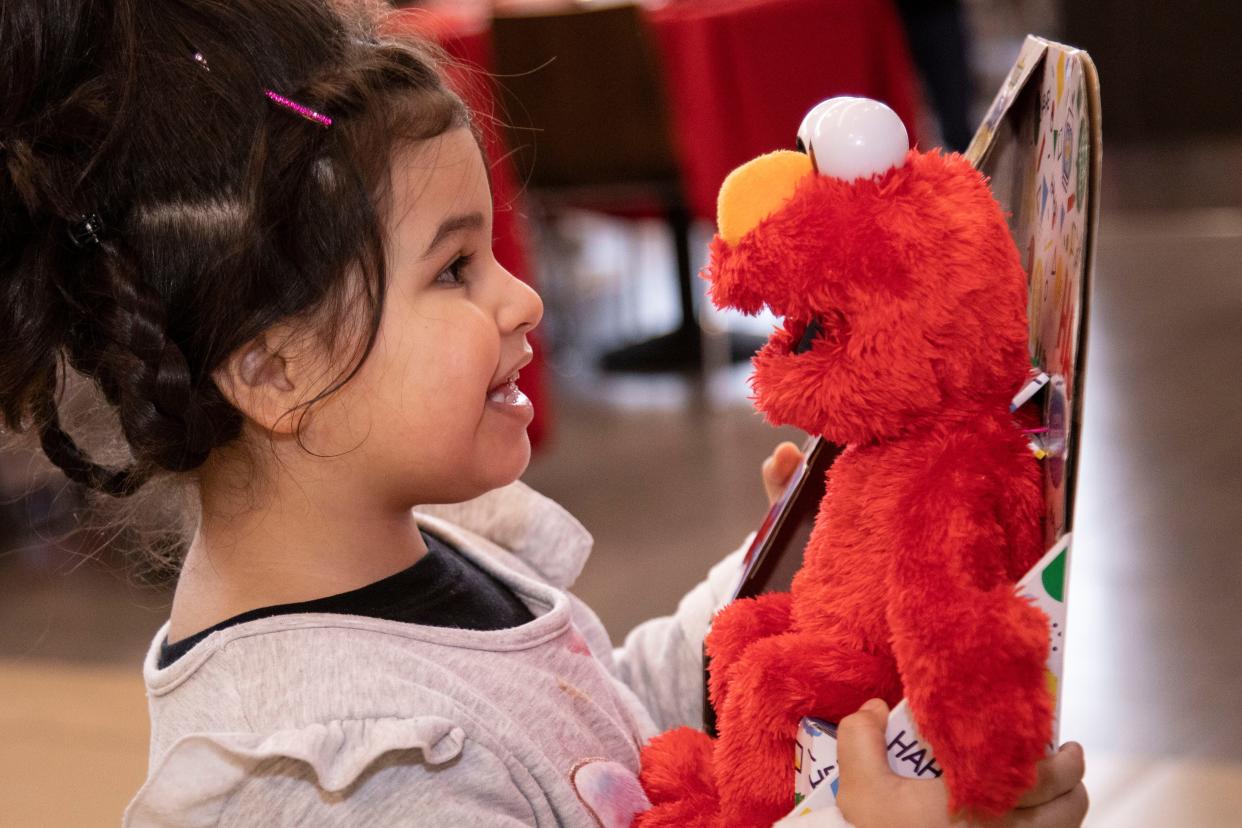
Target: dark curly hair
column 220, row 212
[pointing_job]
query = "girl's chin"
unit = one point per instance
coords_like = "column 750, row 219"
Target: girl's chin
column 491, row 473
column 504, row 464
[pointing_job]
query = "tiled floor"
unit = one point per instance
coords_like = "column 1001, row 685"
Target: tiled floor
column 664, row 472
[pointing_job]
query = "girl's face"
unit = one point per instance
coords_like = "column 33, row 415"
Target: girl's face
column 433, row 415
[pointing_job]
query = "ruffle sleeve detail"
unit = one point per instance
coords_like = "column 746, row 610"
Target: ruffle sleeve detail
column 196, row 777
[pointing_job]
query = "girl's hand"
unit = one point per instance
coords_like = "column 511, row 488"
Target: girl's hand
column 872, row 796
column 778, row 468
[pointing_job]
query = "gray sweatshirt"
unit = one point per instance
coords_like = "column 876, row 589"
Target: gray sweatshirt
column 324, row 719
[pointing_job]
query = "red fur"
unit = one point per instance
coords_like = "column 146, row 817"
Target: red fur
column 678, row 780
column 738, row 626
column 931, row 513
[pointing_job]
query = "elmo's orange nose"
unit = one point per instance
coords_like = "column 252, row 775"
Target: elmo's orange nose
column 757, row 189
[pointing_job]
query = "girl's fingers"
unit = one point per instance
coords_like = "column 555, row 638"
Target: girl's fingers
column 787, row 457
column 861, row 750
column 1058, row 775
column 778, row 468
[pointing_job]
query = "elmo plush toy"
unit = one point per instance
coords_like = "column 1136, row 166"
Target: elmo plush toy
column 904, row 339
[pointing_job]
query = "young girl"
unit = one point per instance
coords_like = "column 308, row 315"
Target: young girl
column 263, row 230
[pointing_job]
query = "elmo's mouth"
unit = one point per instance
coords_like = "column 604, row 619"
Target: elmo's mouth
column 813, row 329
column 829, row 327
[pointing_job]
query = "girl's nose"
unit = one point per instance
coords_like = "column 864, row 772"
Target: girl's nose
column 522, row 309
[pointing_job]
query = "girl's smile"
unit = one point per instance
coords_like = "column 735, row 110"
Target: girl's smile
column 507, row 398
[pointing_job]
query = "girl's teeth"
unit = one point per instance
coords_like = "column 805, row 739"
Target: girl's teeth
column 508, row 394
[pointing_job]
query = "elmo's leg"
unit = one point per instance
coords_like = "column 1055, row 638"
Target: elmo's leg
column 677, row 770
column 780, row 680
column 738, row 626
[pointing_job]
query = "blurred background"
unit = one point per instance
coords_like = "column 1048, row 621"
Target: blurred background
column 607, row 163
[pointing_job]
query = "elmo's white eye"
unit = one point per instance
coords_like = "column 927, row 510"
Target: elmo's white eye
column 851, row 138
column 812, row 118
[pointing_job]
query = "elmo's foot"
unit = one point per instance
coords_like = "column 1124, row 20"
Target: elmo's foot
column 678, row 777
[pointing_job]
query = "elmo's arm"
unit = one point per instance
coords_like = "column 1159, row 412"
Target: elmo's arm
column 971, row 653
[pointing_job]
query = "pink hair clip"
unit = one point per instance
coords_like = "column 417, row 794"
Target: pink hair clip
column 297, row 108
column 278, row 99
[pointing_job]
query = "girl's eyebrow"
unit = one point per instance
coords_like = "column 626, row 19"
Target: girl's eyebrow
column 454, row 224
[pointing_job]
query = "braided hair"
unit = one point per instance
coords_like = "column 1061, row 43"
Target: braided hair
column 158, row 212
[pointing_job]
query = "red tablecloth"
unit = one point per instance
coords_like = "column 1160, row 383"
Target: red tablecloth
column 742, row 73
column 471, row 47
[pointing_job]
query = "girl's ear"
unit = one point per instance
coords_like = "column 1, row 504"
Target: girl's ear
column 261, row 380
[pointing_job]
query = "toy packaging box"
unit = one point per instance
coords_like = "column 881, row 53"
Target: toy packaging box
column 1040, row 147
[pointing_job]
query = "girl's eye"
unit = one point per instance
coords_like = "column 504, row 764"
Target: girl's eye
column 454, row 274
